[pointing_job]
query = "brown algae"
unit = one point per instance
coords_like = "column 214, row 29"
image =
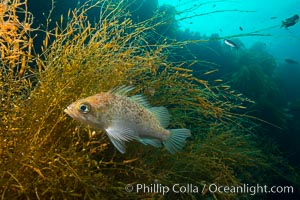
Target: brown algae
column 45, row 154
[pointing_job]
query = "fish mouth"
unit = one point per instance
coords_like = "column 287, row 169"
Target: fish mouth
column 68, row 111
column 71, row 112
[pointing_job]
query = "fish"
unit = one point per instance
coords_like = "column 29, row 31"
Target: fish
column 273, row 17
column 241, row 28
column 291, row 61
column 290, row 21
column 231, row 44
column 126, row 118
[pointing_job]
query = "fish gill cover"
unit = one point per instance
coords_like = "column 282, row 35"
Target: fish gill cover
column 46, row 154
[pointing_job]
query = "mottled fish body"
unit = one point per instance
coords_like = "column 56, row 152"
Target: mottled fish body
column 128, row 118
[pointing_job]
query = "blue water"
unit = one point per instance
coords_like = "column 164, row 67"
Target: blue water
column 281, row 43
column 226, row 19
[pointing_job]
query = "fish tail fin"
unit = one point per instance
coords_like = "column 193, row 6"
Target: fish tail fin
column 282, row 24
column 176, row 140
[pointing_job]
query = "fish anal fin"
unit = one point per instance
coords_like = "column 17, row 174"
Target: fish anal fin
column 153, row 142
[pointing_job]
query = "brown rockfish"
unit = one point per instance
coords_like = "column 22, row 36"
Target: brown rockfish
column 128, row 118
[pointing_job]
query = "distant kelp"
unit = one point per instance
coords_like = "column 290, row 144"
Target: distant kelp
column 255, row 77
column 45, row 154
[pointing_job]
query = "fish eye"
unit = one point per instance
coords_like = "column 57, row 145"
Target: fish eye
column 84, row 108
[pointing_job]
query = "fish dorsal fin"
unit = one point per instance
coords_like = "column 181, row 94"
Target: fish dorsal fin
column 119, row 133
column 121, row 90
column 140, row 99
column 161, row 114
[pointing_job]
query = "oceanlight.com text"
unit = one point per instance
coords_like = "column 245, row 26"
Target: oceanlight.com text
column 212, row 188
column 250, row 189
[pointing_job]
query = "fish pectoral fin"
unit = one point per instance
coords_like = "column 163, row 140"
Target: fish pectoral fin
column 118, row 134
column 153, row 142
column 120, row 131
column 120, row 145
column 161, row 114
